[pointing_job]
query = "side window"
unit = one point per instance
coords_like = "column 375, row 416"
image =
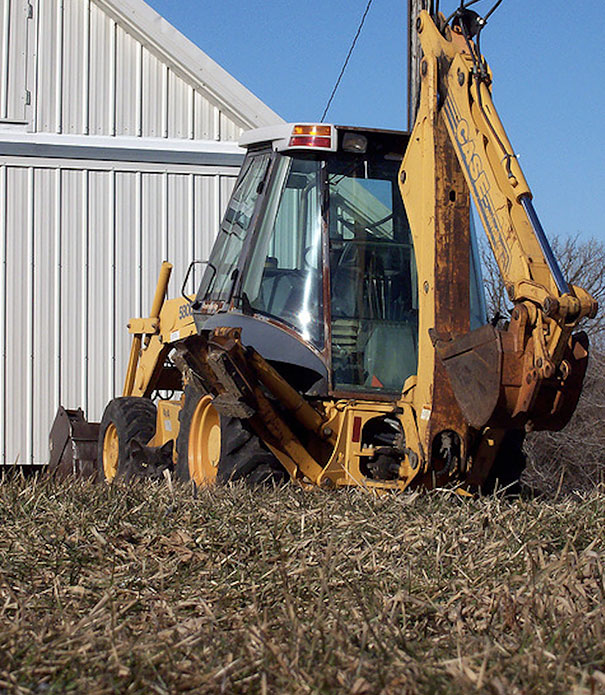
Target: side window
column 218, row 278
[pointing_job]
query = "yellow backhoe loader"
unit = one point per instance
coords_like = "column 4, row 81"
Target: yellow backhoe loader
column 339, row 335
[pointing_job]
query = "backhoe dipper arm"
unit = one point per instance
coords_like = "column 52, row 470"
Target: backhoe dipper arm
column 456, row 91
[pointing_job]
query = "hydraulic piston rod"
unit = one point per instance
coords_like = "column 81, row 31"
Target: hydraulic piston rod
column 553, row 264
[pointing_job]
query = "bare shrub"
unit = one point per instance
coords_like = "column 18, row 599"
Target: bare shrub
column 572, row 459
column 582, row 262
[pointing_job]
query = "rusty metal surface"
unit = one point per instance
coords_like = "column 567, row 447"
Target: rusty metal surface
column 561, row 397
column 495, row 382
column 451, row 279
column 473, row 364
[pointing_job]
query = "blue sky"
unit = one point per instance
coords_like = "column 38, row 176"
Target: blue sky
column 547, row 57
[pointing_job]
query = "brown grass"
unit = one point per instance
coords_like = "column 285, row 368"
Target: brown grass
column 134, row 590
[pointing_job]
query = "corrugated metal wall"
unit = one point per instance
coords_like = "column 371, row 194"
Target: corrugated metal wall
column 14, row 32
column 81, row 259
column 93, row 77
column 82, row 236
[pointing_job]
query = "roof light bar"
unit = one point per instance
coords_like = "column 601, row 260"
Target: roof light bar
column 294, row 136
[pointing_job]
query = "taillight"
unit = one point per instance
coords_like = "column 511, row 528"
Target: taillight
column 311, row 136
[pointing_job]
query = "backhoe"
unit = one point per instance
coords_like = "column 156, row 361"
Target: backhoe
column 339, row 336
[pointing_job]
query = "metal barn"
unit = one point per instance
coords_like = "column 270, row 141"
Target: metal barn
column 117, row 150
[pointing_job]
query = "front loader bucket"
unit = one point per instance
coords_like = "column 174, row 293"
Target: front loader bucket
column 73, row 444
column 473, row 364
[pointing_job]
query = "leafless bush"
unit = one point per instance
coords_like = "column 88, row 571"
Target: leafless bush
column 573, row 458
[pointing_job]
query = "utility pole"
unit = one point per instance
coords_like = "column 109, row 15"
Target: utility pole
column 414, row 58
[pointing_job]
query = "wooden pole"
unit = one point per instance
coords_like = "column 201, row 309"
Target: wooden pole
column 414, row 58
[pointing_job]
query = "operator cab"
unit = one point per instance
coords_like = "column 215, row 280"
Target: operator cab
column 315, row 262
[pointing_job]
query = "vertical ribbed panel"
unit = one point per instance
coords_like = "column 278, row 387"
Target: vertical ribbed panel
column 179, row 107
column 126, row 264
column 100, row 309
column 205, row 117
column 207, row 209
column 86, row 66
column 74, row 51
column 227, row 129
column 17, row 363
column 3, row 307
column 152, row 97
column 46, row 315
column 179, row 206
column 46, row 89
column 126, row 83
column 72, row 279
column 153, row 206
column 13, row 58
column 100, row 75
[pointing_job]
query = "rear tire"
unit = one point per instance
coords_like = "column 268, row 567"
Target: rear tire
column 198, row 445
column 216, row 448
column 125, row 419
column 244, row 456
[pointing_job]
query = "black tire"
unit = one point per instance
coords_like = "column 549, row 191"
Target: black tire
column 191, row 400
column 242, row 456
column 133, row 419
column 510, row 463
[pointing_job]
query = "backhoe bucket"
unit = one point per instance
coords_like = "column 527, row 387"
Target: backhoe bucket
column 473, row 364
column 496, row 384
column 73, row 444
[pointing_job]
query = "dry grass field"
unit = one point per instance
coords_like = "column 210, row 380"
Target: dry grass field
column 137, row 589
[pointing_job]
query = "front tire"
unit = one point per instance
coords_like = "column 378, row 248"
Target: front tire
column 125, row 419
column 244, row 456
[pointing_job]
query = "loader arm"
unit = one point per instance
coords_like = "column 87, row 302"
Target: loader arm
column 538, row 365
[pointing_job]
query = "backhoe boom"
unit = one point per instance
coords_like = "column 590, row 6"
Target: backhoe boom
column 537, row 355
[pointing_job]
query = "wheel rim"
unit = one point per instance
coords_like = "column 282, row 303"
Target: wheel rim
column 204, row 446
column 111, row 452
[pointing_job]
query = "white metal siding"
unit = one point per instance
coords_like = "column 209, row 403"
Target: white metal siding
column 94, row 77
column 91, row 265
column 14, row 31
column 83, row 231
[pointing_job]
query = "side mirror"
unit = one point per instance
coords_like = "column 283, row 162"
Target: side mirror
column 188, row 273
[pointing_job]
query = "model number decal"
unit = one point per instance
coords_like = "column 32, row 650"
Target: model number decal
column 479, row 181
column 185, row 310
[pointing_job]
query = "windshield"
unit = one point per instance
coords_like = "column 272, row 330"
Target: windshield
column 329, row 254
column 220, row 275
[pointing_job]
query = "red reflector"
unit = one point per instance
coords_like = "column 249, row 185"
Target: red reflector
column 310, row 141
column 376, row 383
column 356, row 429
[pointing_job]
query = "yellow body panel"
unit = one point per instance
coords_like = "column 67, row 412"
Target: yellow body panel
column 167, row 423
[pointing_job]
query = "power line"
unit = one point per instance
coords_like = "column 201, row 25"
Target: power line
column 344, row 67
